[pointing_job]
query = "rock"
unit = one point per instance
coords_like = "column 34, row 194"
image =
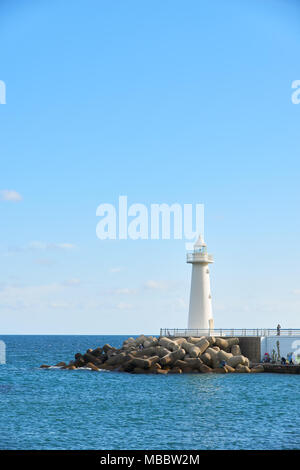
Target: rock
column 194, row 363
column 214, row 357
column 153, row 360
column 184, row 366
column 129, row 343
column 107, row 347
column 211, row 339
column 172, row 357
column 180, row 363
column 191, row 349
column 128, row 365
column 128, row 347
column 168, row 344
column 203, row 344
column 246, row 362
column 112, row 352
column 141, row 339
column 141, row 363
column 123, row 368
column 232, row 341
column 229, row 368
column 222, row 343
column 206, row 359
column 161, row 351
column 138, row 370
column 148, row 352
column 164, row 355
column 187, row 370
column 92, row 366
column 105, row 367
column 175, row 370
column 97, row 352
column 79, row 362
column 151, row 343
column 117, row 360
column 236, row 350
column 44, row 366
column 224, row 356
column 179, row 341
column 204, row 369
column 90, row 358
column 154, row 368
column 162, row 371
column 235, row 360
column 220, row 370
column 242, row 368
column 258, row 368
column 193, row 340
column 129, row 340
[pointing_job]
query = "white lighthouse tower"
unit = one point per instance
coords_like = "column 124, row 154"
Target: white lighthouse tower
column 200, row 311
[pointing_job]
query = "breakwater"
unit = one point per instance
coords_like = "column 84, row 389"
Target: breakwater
column 148, row 354
column 282, row 368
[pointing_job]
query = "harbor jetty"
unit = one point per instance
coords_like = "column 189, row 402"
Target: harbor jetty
column 152, row 355
column 282, row 368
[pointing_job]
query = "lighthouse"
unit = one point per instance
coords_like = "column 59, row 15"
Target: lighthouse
column 200, row 311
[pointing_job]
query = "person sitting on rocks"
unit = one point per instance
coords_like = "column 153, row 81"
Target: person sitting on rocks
column 267, row 357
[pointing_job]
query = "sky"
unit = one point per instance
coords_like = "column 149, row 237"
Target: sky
column 183, row 102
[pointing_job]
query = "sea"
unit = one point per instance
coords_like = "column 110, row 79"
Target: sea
column 81, row 409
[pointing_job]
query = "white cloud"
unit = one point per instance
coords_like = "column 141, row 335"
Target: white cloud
column 38, row 245
column 59, row 305
column 118, row 269
column 124, row 306
column 37, row 297
column 154, row 285
column 125, row 291
column 10, row 195
column 71, row 282
column 44, row 261
column 62, row 246
column 16, row 297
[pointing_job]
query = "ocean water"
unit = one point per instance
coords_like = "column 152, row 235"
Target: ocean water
column 57, row 409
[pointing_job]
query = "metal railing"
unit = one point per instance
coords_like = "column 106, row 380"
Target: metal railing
column 230, row 332
column 194, row 257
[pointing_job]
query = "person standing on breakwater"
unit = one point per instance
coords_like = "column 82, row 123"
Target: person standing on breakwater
column 290, row 358
column 278, row 329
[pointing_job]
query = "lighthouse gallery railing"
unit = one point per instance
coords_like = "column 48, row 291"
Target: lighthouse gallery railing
column 230, row 332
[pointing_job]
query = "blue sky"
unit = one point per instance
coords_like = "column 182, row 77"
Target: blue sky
column 164, row 102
